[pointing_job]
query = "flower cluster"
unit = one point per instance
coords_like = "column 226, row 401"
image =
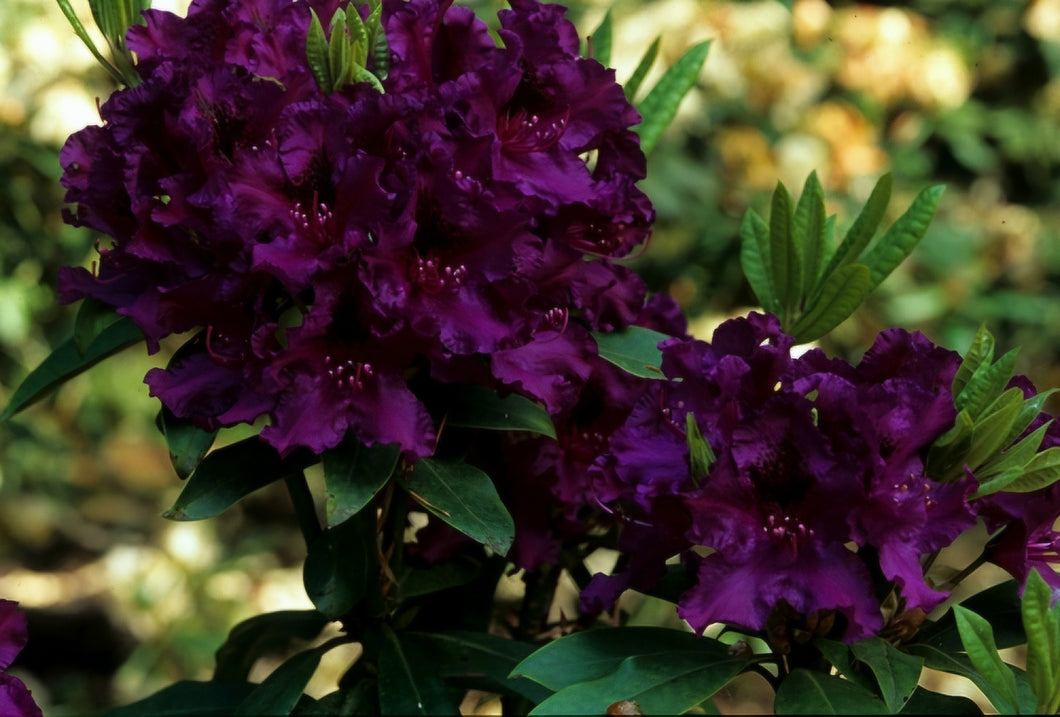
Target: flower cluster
column 333, row 249
column 815, row 488
column 15, row 699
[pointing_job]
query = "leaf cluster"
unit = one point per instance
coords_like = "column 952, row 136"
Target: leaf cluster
column 341, row 57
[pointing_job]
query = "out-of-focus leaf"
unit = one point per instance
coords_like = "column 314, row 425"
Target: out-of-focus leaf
column 641, row 71
column 261, row 634
column 634, row 350
column 902, row 236
column 229, row 474
column 861, row 232
column 282, row 689
column 188, row 699
column 465, row 498
column 659, row 107
column 353, row 474
column 600, row 41
column 479, row 407
column 66, row 361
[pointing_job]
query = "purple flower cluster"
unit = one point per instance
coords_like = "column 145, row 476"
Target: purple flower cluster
column 15, row 699
column 817, row 487
column 330, row 248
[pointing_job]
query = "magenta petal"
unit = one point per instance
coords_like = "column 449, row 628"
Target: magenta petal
column 13, row 634
column 15, row 699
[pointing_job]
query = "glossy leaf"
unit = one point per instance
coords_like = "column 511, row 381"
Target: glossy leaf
column 659, row 107
column 479, row 407
column 842, row 293
column 755, row 260
column 634, row 350
column 660, row 684
column 466, row 655
column 340, row 564
column 978, row 639
column 353, row 474
column 409, row 683
column 899, row 240
column 986, row 384
column 1042, row 471
column 66, row 361
column 862, row 230
column 813, row 693
column 808, row 232
column 1042, row 624
column 600, row 41
column 188, row 698
column 991, row 430
column 281, row 690
column 260, row 635
column 465, row 498
column 980, row 352
column 592, row 654
column 641, row 71
column 229, row 474
column 897, row 673
column 187, row 443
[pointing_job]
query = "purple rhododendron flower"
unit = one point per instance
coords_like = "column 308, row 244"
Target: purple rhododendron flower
column 15, row 699
column 817, row 482
column 328, row 248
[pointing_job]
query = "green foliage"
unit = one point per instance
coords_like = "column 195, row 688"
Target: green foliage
column 1041, row 620
column 978, row 639
column 812, row 693
column 342, row 58
column 282, row 689
column 659, row 106
column 479, row 407
column 634, row 350
column 341, row 565
column 261, row 635
column 353, row 474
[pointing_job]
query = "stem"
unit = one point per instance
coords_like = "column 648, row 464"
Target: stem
column 304, row 507
column 537, row 601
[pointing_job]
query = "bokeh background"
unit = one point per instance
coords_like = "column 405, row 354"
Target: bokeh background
column 966, row 93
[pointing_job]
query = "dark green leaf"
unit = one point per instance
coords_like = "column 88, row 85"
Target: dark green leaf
column 992, row 428
column 842, row 658
column 808, row 232
column 1001, row 602
column 659, row 107
column 659, row 684
column 634, row 350
column 755, row 260
column 896, row 672
column 229, row 474
column 1042, row 625
column 479, row 407
column 66, row 361
column 415, row 581
column 924, row 702
column 409, row 683
column 978, row 639
column 900, row 239
column 641, row 71
column 463, row 655
column 864, row 228
column 188, row 699
column 842, row 293
column 980, row 352
column 340, row 565
column 592, row 654
column 957, row 663
column 187, row 443
column 783, row 254
column 353, row 474
column 600, row 41
column 361, row 699
column 465, row 498
column 282, row 689
column 812, row 693
column 92, row 317
column 261, row 635
column 945, row 460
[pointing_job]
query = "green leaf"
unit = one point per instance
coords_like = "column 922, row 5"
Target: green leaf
column 634, row 350
column 316, row 53
column 188, row 699
column 465, row 498
column 924, row 702
column 480, row 407
column 659, row 684
column 957, row 663
column 842, row 293
column 340, row 565
column 978, row 639
column 358, row 33
column 353, row 474
column 842, row 658
column 415, row 581
column 187, row 443
column 282, row 689
column 700, row 456
column 1014, row 458
column 783, row 253
column 659, row 107
column 409, row 683
column 1042, row 625
column 641, row 71
column 813, row 693
column 261, row 635
column 755, row 260
column 465, row 655
column 339, row 68
column 900, row 239
column 986, row 384
column 229, row 474
column 808, row 229
column 66, row 361
column 864, row 228
column 992, row 429
column 600, row 41
column 92, row 317
column 980, row 352
column 945, row 459
column 1032, row 407
column 82, row 33
column 592, row 654
column 896, row 672
column 1001, row 602
column 1042, row 471
column 361, row 699
column 380, row 45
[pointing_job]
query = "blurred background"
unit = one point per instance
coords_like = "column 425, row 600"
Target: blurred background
column 122, row 602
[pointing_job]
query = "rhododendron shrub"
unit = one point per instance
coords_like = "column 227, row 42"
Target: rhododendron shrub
column 391, row 238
